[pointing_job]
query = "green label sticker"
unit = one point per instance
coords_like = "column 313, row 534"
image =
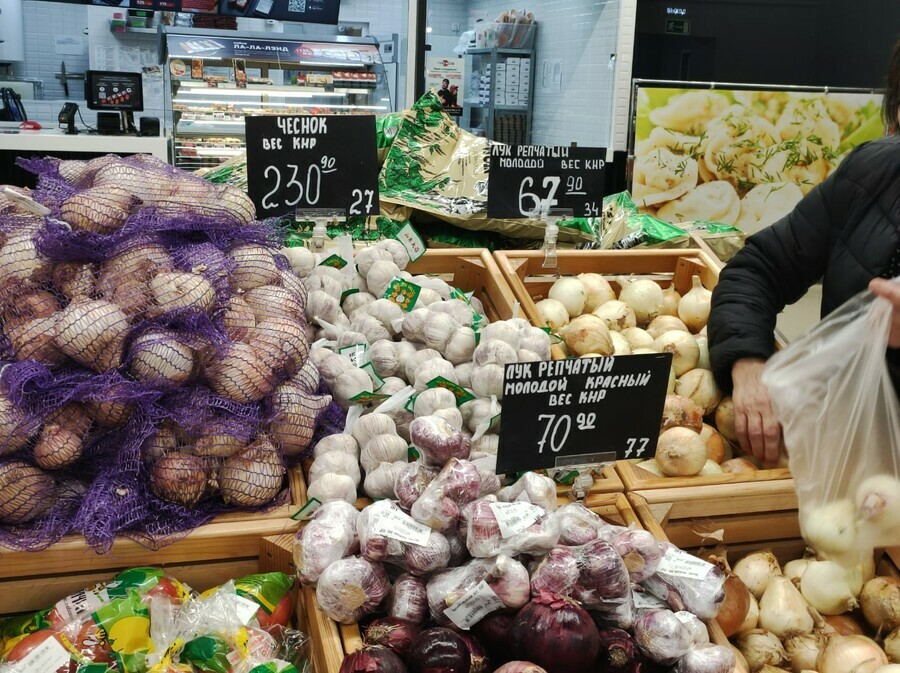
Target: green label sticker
column 413, row 454
column 403, row 293
column 365, row 398
column 495, row 423
column 411, row 240
column 566, row 478
column 377, row 381
column 555, row 339
column 462, row 395
column 306, row 512
column 411, row 404
column 347, row 294
column 477, row 318
column 357, row 355
column 335, row 262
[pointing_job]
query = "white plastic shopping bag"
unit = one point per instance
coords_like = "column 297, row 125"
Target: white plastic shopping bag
column 832, row 392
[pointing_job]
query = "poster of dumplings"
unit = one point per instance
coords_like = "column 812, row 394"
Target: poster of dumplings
column 742, row 157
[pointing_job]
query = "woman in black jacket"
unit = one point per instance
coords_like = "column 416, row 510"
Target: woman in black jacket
column 846, row 232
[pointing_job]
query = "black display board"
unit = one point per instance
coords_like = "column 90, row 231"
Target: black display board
column 522, row 177
column 312, row 161
column 581, row 411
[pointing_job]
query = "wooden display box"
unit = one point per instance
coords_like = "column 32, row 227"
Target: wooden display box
column 332, row 641
column 229, row 541
column 531, row 282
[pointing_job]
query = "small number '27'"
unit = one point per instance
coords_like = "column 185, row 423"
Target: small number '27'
column 632, row 443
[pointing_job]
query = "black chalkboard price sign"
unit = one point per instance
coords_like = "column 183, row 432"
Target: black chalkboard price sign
column 312, row 161
column 581, row 411
column 524, row 177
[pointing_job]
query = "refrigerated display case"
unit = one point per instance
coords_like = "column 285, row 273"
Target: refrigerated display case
column 215, row 79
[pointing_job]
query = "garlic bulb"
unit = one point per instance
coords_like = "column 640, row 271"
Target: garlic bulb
column 380, row 275
column 434, row 284
column 302, row 260
column 349, row 384
column 386, row 312
column 782, row 609
column 644, row 297
column 332, row 366
column 372, row 425
column 428, row 297
column 700, row 386
column 366, row 257
column 352, row 339
column 357, row 301
column 464, row 374
column 415, row 361
column 159, row 357
column 254, row 266
column 486, row 444
column 506, row 330
column 371, row 327
column 456, row 309
column 488, row 380
column 571, row 293
column 439, row 328
column 537, row 341
column 663, row 324
column 398, row 252
column 433, row 399
column 413, row 327
column 694, row 306
column 638, row 338
column 553, row 313
column 380, row 482
column 452, row 415
column 282, row 343
column 176, row 290
column 617, row 315
column 254, row 476
column 384, row 358
column 335, row 462
column 330, row 487
column 323, row 306
column 682, row 346
column 671, row 299
column 493, row 352
column 319, row 282
column 587, row 334
column 383, row 449
column 21, row 263
column 528, row 356
column 461, row 346
column 598, row 289
column 432, row 369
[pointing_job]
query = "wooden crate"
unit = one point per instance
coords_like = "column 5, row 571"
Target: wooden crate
column 332, row 641
column 228, row 539
column 530, row 282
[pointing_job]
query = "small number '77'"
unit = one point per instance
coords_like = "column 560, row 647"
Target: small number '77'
column 631, row 445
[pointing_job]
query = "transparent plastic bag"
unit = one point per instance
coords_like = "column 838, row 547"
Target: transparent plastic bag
column 833, row 394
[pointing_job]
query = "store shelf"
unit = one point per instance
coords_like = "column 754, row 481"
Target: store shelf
column 502, row 52
column 501, row 108
column 128, row 29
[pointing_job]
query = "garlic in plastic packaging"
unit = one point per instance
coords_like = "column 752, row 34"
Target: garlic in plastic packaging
column 461, row 346
column 366, row 257
column 380, row 275
column 371, row 327
column 412, row 364
column 413, row 327
column 439, row 328
column 356, row 301
column 340, row 443
column 380, row 482
column 431, row 400
column 386, row 312
column 349, row 384
column 385, row 359
column 431, row 370
column 487, row 381
column 330, row 487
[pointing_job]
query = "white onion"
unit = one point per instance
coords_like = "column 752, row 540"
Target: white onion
column 571, row 293
column 761, row 648
column 794, row 570
column 783, row 610
column 665, row 323
column 644, row 297
column 598, row 289
column 756, row 569
column 700, row 386
column 693, row 308
column 725, row 419
column 553, row 312
column 703, row 362
column 851, row 654
column 827, row 587
column 617, row 315
column 680, row 452
column 671, row 298
column 638, row 338
column 587, row 334
column 621, row 345
column 682, row 346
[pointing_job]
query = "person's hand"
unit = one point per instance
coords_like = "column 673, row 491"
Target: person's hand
column 757, row 428
column 890, row 291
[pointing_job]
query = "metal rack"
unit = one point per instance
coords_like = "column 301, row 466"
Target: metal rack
column 499, row 121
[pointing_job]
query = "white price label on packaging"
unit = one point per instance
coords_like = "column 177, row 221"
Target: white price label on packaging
column 685, row 617
column 82, row 603
column 395, row 524
column 645, row 601
column 475, row 605
column 356, row 353
column 514, row 517
column 245, row 609
column 409, row 238
column 681, row 564
column 47, row 657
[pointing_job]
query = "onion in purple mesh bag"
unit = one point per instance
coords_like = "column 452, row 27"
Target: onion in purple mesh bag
column 282, row 342
column 254, row 266
column 238, row 319
column 217, row 439
column 272, row 301
column 16, row 428
column 160, row 357
column 295, row 413
column 241, row 375
column 179, row 290
column 92, row 333
column 61, row 440
column 25, row 492
column 102, row 210
column 254, row 476
column 73, row 279
column 180, row 478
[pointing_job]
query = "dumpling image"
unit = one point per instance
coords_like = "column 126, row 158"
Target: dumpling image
column 807, row 120
column 769, row 104
column 735, row 139
column 679, row 143
column 715, row 201
column 689, row 112
column 801, row 163
column 766, row 204
column 662, row 176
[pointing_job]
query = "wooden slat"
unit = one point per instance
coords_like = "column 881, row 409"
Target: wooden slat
column 695, row 501
column 636, row 479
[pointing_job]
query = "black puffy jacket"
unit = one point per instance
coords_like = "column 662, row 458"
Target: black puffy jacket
column 846, row 230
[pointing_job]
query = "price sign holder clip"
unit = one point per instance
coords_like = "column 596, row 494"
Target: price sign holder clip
column 551, row 220
column 322, row 219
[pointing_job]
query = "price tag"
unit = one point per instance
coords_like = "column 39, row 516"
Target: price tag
column 681, row 564
column 47, row 657
column 334, row 261
column 81, row 603
column 409, row 238
column 646, row 601
column 514, row 517
column 356, row 353
column 306, row 512
column 391, row 522
column 581, row 411
column 312, row 161
column 526, row 179
column 475, row 605
column 403, row 293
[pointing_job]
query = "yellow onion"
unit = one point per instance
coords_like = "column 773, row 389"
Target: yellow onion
column 159, row 357
column 738, row 465
column 732, row 613
column 101, row 210
column 644, row 297
column 254, row 476
column 26, row 492
column 715, row 444
column 178, row 290
column 680, row 452
column 761, row 648
column 179, row 478
column 254, row 266
column 725, row 419
column 638, row 338
column 681, row 412
column 92, row 333
column 892, row 646
column 803, row 650
column 73, row 279
column 272, row 301
column 851, row 654
column 61, row 440
column 683, row 347
column 756, row 570
column 830, row 588
column 238, row 319
column 571, row 293
column 242, row 375
column 845, row 625
column 880, row 602
column 783, row 610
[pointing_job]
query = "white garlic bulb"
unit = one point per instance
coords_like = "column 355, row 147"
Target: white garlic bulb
column 383, row 449
column 478, row 412
column 386, row 312
column 429, row 401
column 505, row 330
column 392, row 385
column 332, row 330
column 411, row 364
column 302, row 260
column 359, row 283
column 464, row 374
column 371, row 327
column 398, row 253
column 335, row 462
column 434, row 284
column 452, row 415
column 527, row 356
column 356, row 301
column 427, row 297
column 349, row 384
column 487, row 380
column 337, row 444
column 352, row 339
column 461, row 346
column 380, row 276
column 332, row 366
column 322, row 305
column 318, row 354
column 380, row 482
column 330, row 487
column 494, row 352
column 333, row 287
column 413, row 328
column 487, row 444
column 438, row 329
column 366, row 257
column 384, row 356
column 456, row 309
column 372, row 425
column 432, row 369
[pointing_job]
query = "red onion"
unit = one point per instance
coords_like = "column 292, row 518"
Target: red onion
column 557, row 573
column 701, row 597
column 374, row 659
column 618, row 653
column 661, row 637
column 395, row 634
column 640, row 551
column 615, row 615
column 484, row 538
column 557, row 634
column 438, row 650
column 458, row 552
column 495, row 632
column 479, row 662
column 707, row 659
column 520, row 667
column 408, row 600
column 351, row 589
column 505, row 576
